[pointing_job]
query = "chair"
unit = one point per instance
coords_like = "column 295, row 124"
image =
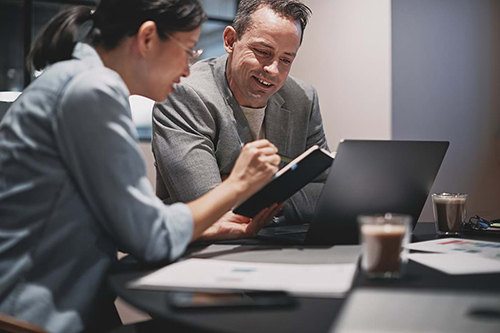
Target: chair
column 12, row 325
column 6, row 99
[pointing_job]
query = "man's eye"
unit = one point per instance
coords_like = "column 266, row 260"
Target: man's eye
column 261, row 52
column 286, row 61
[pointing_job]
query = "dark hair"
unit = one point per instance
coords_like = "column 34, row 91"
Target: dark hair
column 113, row 20
column 292, row 9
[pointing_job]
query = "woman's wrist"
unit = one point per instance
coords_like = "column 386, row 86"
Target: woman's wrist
column 238, row 188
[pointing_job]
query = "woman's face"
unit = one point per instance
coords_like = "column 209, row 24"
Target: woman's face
column 170, row 62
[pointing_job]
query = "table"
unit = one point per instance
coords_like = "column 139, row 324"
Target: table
column 311, row 315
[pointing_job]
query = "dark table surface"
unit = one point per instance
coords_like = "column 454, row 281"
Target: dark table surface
column 310, row 315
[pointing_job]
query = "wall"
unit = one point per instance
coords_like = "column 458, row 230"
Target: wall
column 445, row 87
column 346, row 55
column 413, row 69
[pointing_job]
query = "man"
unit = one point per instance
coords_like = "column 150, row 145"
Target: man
column 237, row 98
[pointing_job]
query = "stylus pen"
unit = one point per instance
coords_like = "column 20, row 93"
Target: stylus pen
column 285, row 159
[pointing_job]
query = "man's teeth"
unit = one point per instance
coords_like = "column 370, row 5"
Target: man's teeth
column 264, row 82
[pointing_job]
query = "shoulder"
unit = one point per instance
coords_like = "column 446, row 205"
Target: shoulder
column 97, row 81
column 203, row 79
column 297, row 92
column 96, row 85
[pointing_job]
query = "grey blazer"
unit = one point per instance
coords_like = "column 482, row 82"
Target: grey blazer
column 199, row 130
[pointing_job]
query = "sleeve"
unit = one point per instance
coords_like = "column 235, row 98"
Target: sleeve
column 301, row 206
column 184, row 133
column 96, row 138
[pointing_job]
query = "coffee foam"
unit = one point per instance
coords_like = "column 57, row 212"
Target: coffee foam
column 449, row 200
column 377, row 229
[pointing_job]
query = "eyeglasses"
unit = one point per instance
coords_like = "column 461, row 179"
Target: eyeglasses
column 193, row 55
column 478, row 223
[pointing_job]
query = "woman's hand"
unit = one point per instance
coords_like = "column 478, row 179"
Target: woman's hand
column 233, row 226
column 256, row 165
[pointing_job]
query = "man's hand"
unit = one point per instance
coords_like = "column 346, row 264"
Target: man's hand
column 233, row 226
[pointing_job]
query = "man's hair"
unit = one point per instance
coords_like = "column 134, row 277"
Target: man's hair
column 291, row 9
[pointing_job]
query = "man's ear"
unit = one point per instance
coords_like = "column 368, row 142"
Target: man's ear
column 147, row 35
column 230, row 37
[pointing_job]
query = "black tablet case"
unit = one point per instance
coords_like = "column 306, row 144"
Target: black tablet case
column 287, row 184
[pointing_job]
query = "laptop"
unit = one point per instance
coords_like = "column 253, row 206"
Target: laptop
column 367, row 177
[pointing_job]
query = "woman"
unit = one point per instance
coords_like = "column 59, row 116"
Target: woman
column 72, row 179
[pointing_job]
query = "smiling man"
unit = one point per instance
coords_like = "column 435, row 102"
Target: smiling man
column 234, row 99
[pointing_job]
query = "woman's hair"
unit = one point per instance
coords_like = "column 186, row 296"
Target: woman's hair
column 113, row 20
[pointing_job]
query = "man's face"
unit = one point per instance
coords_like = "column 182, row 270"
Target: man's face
column 260, row 60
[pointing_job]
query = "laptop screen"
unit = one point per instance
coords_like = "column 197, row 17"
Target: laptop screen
column 374, row 177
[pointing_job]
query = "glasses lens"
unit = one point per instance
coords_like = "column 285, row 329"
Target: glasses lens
column 194, row 56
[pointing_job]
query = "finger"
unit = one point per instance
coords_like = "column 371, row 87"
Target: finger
column 262, row 213
column 275, row 209
column 268, row 151
column 272, row 159
column 262, row 143
column 256, row 223
column 235, row 218
column 263, row 218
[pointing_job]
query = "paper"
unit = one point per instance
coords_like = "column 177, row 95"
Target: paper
column 457, row 264
column 484, row 249
column 301, row 280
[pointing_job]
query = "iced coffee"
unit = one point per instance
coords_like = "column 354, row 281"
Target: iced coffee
column 383, row 240
column 450, row 212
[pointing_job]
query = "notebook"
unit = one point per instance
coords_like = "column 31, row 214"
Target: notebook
column 368, row 177
column 287, row 181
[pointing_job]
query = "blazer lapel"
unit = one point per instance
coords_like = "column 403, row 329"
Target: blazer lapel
column 241, row 123
column 277, row 121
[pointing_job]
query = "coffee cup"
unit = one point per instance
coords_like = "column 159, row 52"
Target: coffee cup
column 383, row 239
column 450, row 210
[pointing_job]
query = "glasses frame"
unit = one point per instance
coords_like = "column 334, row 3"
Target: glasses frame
column 193, row 54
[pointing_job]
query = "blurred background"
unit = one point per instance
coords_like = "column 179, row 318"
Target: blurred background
column 384, row 69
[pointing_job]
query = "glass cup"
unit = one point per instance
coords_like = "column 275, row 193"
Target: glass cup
column 383, row 239
column 450, row 210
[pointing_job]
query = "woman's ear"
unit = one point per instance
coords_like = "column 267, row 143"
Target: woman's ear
column 230, row 37
column 147, row 35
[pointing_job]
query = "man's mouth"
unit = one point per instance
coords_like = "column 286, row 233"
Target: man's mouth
column 263, row 82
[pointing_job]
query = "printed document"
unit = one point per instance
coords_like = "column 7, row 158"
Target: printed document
column 457, row 264
column 458, row 256
column 459, row 246
column 326, row 280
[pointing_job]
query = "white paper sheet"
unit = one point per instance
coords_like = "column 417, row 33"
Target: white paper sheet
column 476, row 248
column 304, row 280
column 456, row 264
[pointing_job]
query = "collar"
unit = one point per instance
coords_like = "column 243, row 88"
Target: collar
column 277, row 120
column 87, row 53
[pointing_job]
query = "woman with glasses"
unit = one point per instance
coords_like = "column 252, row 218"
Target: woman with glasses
column 73, row 186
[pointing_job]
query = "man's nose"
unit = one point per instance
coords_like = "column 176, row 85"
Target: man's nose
column 272, row 68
